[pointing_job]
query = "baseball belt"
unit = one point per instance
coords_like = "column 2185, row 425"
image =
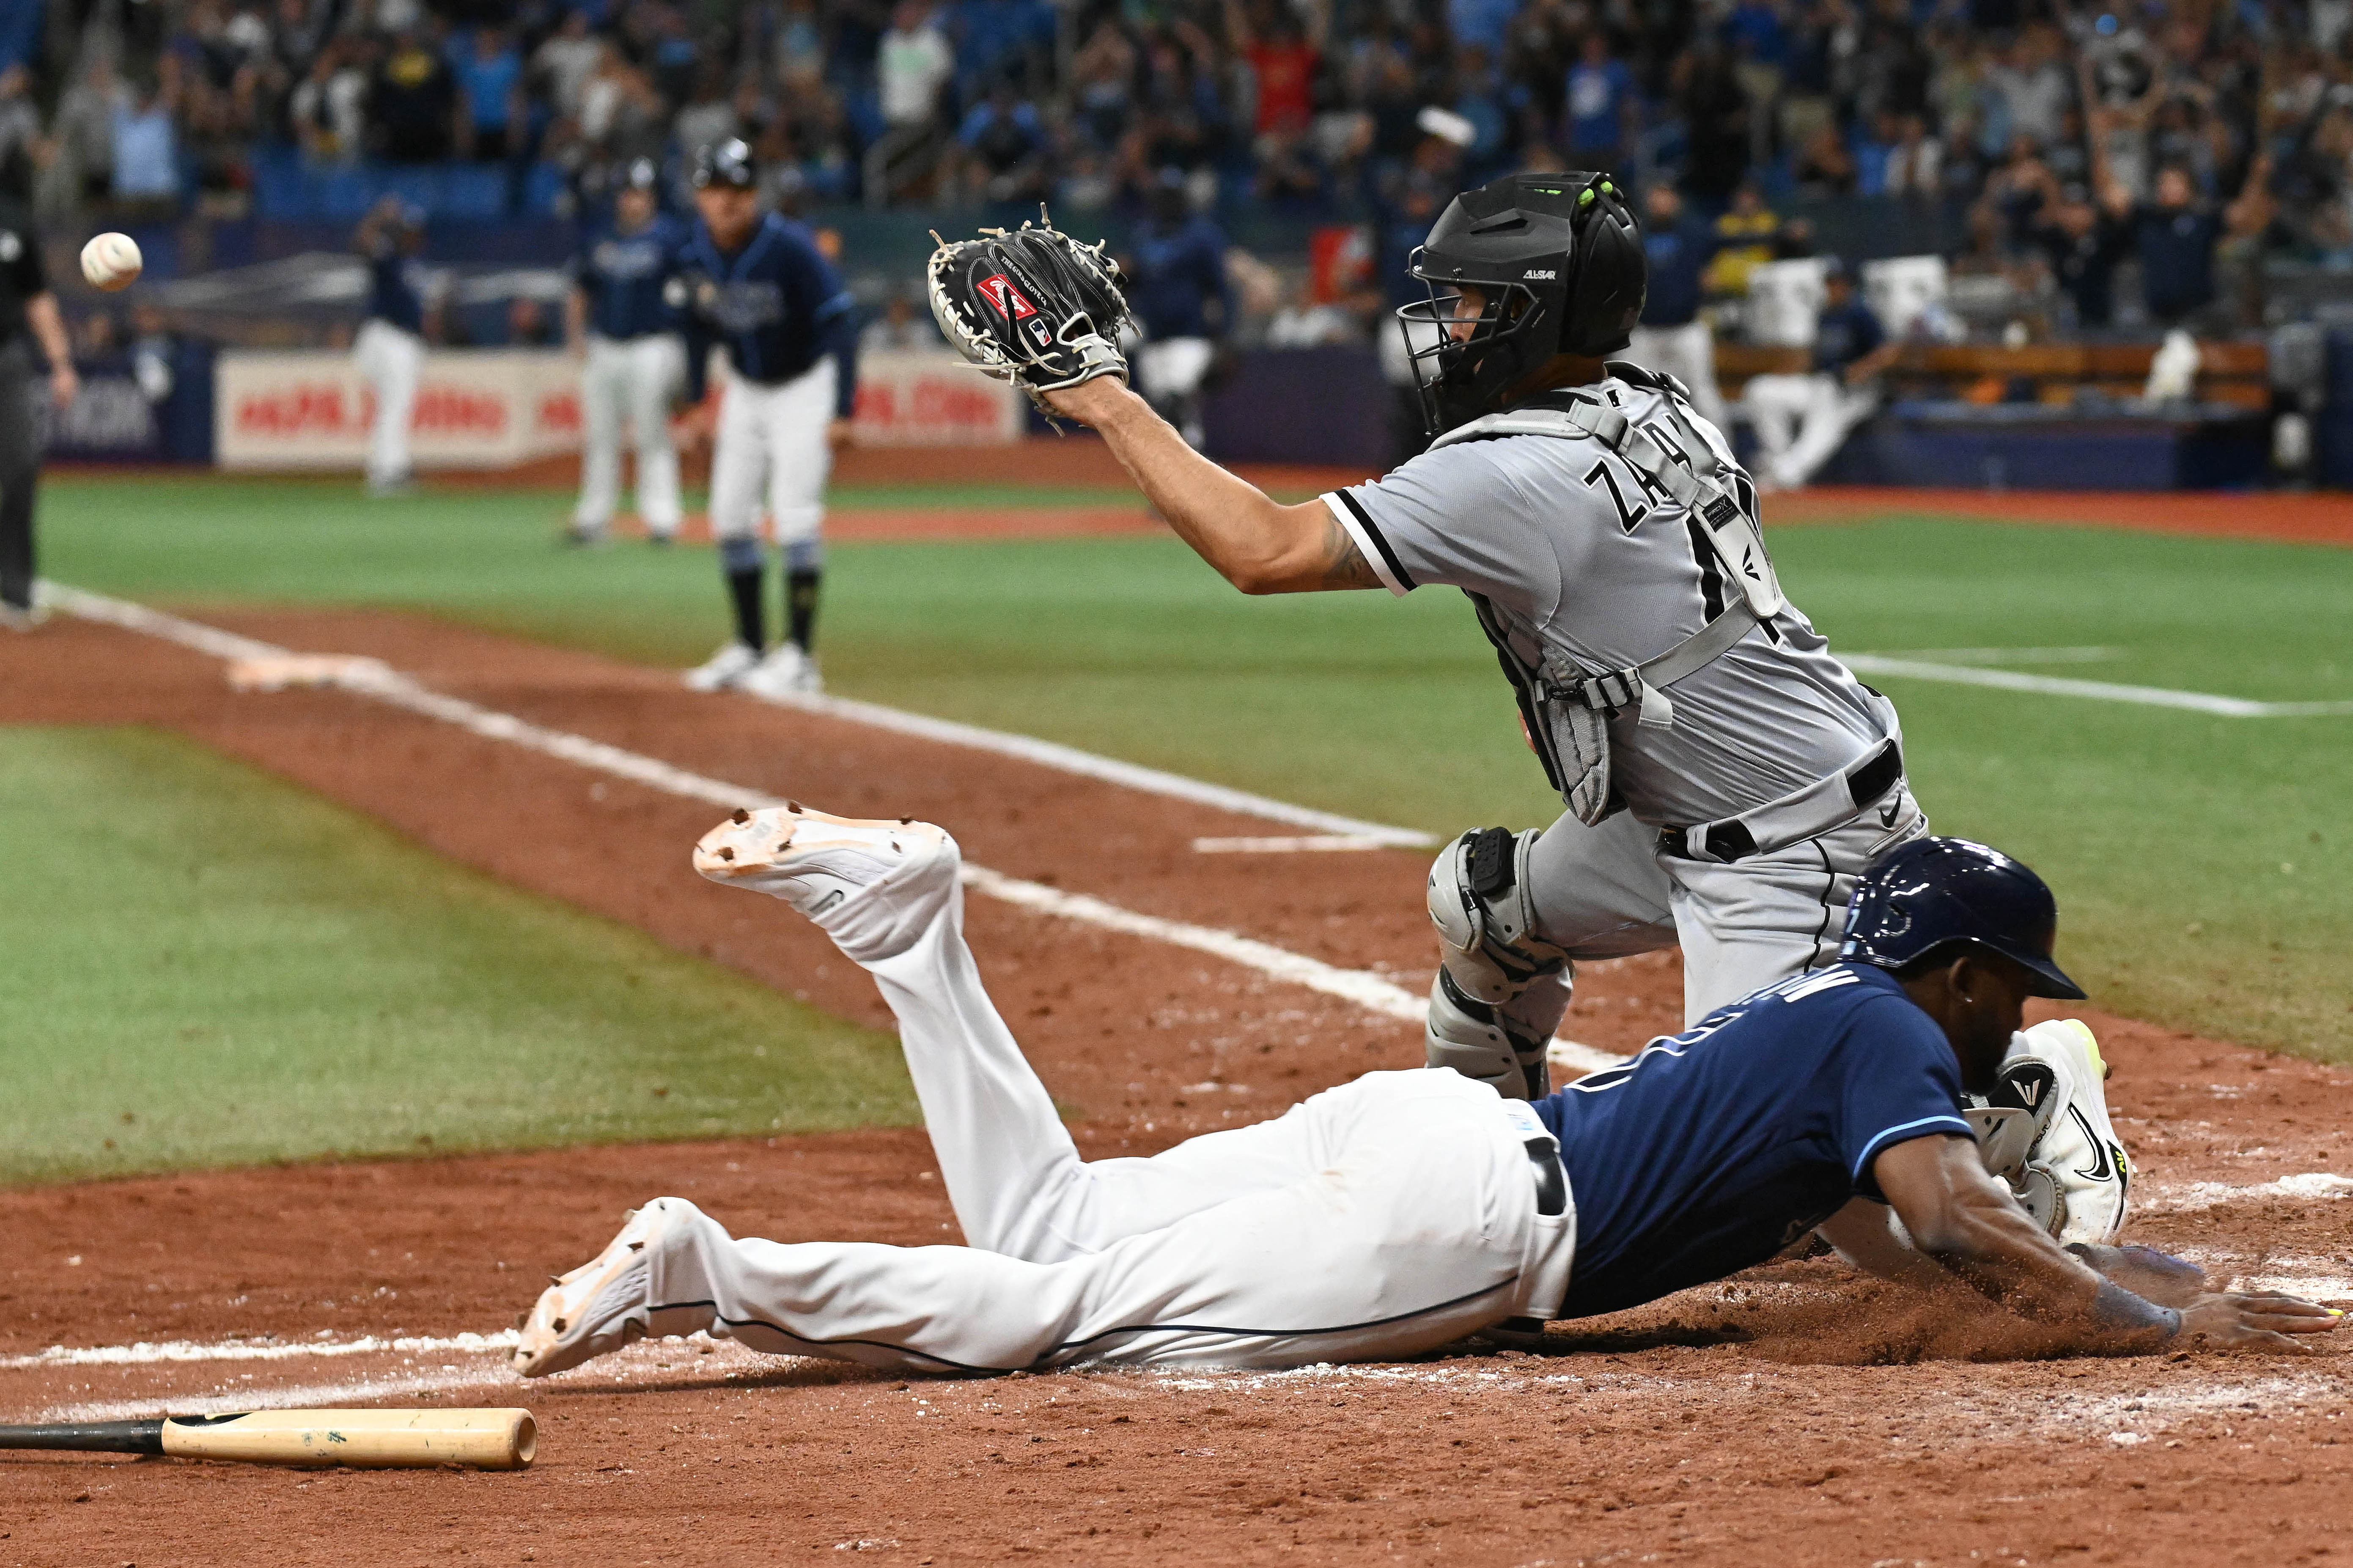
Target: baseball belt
column 1800, row 815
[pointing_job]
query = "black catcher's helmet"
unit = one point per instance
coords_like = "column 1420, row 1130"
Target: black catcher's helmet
column 727, row 163
column 1558, row 262
column 1934, row 894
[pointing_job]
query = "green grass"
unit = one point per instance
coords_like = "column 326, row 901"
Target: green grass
column 209, row 967
column 2165, row 832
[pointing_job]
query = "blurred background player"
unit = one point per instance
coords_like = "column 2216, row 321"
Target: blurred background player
column 1176, row 266
column 757, row 282
column 632, row 368
column 28, row 310
column 1851, row 352
column 390, row 348
column 1671, row 337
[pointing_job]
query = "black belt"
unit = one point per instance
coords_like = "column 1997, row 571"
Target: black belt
column 1552, row 1182
column 1729, row 840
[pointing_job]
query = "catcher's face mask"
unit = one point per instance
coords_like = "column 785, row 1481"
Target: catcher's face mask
column 1517, row 271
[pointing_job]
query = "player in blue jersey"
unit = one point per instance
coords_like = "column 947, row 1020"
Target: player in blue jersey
column 757, row 283
column 1178, row 287
column 390, row 348
column 628, row 333
column 1407, row 1209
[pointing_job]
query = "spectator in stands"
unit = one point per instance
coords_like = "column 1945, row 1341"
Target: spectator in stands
column 1671, row 336
column 710, row 116
column 2083, row 243
column 1715, row 108
column 1851, row 352
column 565, row 61
column 146, row 150
column 328, row 108
column 488, row 81
column 1824, row 167
column 530, row 325
column 1744, row 240
column 412, row 103
column 1601, row 105
column 915, row 63
column 20, row 117
column 2175, row 237
column 83, row 129
column 1179, row 290
column 1004, row 142
column 1284, row 52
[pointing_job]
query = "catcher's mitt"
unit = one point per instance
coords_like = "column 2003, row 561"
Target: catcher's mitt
column 1032, row 306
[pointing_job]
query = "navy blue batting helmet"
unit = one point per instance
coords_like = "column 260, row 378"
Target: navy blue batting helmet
column 1935, row 893
column 727, row 163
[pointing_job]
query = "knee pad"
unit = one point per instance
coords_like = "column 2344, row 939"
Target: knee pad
column 1485, row 915
column 1483, row 1042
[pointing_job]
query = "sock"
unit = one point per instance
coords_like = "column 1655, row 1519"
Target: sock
column 743, row 591
column 800, row 605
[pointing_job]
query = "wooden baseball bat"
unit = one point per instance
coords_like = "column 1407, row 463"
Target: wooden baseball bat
column 368, row 1439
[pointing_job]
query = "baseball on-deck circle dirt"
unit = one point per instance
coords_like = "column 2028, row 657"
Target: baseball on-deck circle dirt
column 112, row 262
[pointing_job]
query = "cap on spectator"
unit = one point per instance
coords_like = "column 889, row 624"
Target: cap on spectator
column 727, row 163
column 643, row 175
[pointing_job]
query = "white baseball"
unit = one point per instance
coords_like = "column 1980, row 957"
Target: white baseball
column 112, row 262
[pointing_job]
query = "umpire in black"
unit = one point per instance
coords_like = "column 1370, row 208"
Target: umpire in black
column 28, row 312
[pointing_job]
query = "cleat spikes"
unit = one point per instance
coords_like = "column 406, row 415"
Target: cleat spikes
column 740, row 816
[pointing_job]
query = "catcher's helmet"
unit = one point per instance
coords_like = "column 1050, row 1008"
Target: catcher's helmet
column 1558, row 261
column 727, row 163
column 1935, row 893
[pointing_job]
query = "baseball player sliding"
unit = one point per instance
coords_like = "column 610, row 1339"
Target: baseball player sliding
column 616, row 317
column 1725, row 777
column 1406, row 1209
column 757, row 283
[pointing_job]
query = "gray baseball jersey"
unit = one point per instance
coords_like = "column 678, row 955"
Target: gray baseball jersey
column 1569, row 550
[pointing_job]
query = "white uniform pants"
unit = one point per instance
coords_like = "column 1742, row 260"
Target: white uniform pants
column 630, row 383
column 1169, row 373
column 1607, row 891
column 1688, row 354
column 1821, row 408
column 772, row 437
column 1375, row 1220
column 391, row 361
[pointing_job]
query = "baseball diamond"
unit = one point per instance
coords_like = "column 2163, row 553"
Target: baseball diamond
column 1241, row 1054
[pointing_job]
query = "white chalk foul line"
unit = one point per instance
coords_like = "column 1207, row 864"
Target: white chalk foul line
column 159, row 1353
column 2097, row 690
column 1366, row 989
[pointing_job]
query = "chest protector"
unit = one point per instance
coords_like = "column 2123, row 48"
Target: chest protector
column 1567, row 707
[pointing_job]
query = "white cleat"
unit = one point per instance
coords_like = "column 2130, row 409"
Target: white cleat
column 724, row 668
column 598, row 1307
column 21, row 618
column 786, row 672
column 811, row 860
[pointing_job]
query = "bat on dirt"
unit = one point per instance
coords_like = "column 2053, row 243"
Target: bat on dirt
column 359, row 1440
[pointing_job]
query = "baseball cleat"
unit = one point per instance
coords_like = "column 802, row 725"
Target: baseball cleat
column 724, row 668
column 21, row 618
column 809, row 860
column 789, row 671
column 585, row 535
column 598, row 1307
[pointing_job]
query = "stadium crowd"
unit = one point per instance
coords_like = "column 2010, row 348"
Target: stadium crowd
column 2059, row 140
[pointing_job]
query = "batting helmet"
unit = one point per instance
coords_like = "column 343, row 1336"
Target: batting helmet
column 1558, row 263
column 727, row 163
column 1935, row 893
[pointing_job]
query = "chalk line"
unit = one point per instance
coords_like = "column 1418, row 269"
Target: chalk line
column 2097, row 690
column 1366, row 989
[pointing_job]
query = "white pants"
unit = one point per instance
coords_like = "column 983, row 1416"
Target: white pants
column 1607, row 891
column 772, row 437
column 391, row 361
column 1169, row 374
column 630, row 383
column 1375, row 1220
column 1688, row 354
column 1822, row 409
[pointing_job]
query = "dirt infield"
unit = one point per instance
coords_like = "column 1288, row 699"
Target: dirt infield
column 1793, row 1415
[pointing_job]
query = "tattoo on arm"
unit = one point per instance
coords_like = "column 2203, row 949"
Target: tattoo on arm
column 1344, row 564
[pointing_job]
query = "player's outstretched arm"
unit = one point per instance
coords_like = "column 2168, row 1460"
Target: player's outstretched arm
column 1258, row 546
column 1968, row 1223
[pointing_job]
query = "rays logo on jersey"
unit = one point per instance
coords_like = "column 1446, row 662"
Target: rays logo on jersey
column 623, row 259
column 741, row 307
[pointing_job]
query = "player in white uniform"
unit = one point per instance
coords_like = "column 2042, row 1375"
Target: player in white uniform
column 757, row 283
column 632, row 364
column 390, row 348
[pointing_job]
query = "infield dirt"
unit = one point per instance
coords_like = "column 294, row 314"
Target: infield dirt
column 1793, row 1415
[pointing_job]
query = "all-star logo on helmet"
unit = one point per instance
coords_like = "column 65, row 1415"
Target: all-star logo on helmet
column 1557, row 263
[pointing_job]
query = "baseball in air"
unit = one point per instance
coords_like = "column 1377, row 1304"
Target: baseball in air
column 112, row 262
